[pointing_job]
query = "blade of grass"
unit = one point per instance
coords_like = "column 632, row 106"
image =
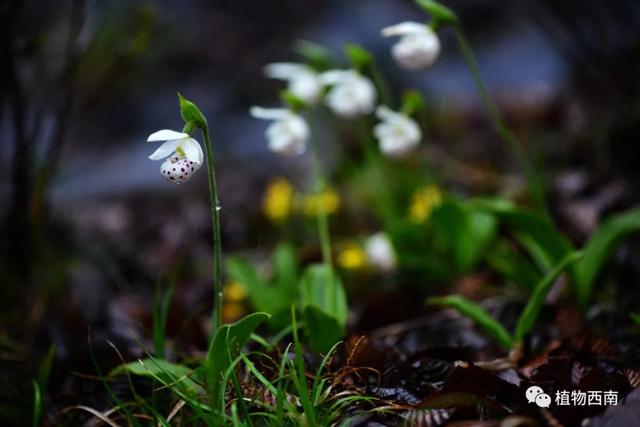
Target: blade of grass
column 283, row 333
column 282, row 385
column 161, row 305
column 478, row 314
column 112, row 396
column 300, row 380
column 45, row 368
column 217, row 360
column 316, row 381
column 95, row 413
column 598, row 250
column 37, row 404
column 530, row 313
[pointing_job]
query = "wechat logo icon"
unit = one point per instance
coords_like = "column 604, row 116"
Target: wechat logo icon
column 536, row 395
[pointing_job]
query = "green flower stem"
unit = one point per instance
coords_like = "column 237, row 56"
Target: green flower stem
column 382, row 195
column 381, row 84
column 533, row 180
column 319, row 186
column 216, row 318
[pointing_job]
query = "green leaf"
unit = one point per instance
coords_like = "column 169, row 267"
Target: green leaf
column 413, row 103
column 285, row 268
column 636, row 318
column 599, row 249
column 44, row 371
column 228, row 341
column 325, row 312
column 359, row 57
column 509, row 263
column 37, row 404
column 262, row 296
column 191, row 113
column 440, row 13
column 160, row 310
column 531, row 311
column 536, row 233
column 314, row 54
column 482, row 228
column 323, row 330
column 478, row 314
column 315, row 289
column 169, row 373
column 275, row 296
column 466, row 231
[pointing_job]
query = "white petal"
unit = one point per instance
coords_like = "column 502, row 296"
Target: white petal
column 165, row 150
column 269, row 113
column 166, row 135
column 333, row 77
column 385, row 113
column 192, row 150
column 403, row 28
column 285, row 70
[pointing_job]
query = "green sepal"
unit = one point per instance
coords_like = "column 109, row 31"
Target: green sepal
column 359, row 57
column 441, row 14
column 191, row 113
column 294, row 103
column 412, row 103
column 315, row 55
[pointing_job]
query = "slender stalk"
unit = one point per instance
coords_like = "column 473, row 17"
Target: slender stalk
column 533, row 180
column 382, row 195
column 319, row 187
column 216, row 318
column 380, row 82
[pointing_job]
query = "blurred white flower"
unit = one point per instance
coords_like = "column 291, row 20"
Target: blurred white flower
column 302, row 80
column 184, row 155
column 352, row 94
column 380, row 252
column 397, row 133
column 289, row 132
column 418, row 46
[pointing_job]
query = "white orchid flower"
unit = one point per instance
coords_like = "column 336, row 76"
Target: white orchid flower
column 352, row 94
column 289, row 132
column 183, row 155
column 302, row 80
column 397, row 133
column 418, row 46
column 380, row 252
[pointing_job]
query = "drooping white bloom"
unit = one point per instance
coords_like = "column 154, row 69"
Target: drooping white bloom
column 380, row 252
column 302, row 80
column 183, row 155
column 397, row 133
column 352, row 94
column 418, row 46
column 289, row 132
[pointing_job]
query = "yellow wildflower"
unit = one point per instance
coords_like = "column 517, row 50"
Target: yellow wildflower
column 423, row 201
column 352, row 257
column 278, row 200
column 234, row 292
column 232, row 312
column 234, row 296
column 328, row 199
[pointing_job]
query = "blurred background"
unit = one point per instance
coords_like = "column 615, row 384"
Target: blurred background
column 88, row 224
